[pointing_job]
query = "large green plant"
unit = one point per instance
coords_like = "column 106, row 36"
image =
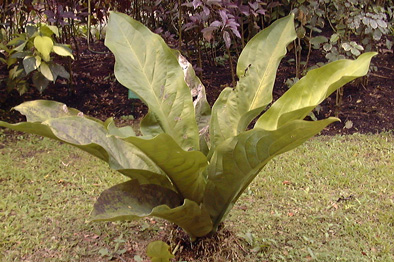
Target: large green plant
column 192, row 164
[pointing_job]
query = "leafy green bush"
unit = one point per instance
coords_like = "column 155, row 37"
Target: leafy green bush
column 29, row 54
column 192, row 163
column 357, row 25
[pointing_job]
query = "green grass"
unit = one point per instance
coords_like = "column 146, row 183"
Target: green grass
column 47, row 191
column 331, row 199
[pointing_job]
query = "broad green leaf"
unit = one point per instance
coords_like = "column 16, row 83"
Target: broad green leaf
column 159, row 155
column 148, row 67
column 31, row 30
column 120, row 155
column 29, row 63
column 17, row 40
column 4, row 47
column 68, row 125
column 49, row 30
column 46, row 71
column 318, row 40
column 133, row 200
column 183, row 168
column 20, row 47
column 11, row 61
column 62, row 50
column 130, row 201
column 41, row 110
column 54, row 29
column 21, row 54
column 58, row 70
column 31, row 128
column 238, row 160
column 159, row 251
column 44, row 45
column 40, row 81
column 256, row 70
column 193, row 218
column 311, row 90
column 121, row 132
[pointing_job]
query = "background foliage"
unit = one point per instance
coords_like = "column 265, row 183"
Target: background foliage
column 207, row 28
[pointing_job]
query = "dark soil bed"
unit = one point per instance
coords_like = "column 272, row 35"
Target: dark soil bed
column 366, row 108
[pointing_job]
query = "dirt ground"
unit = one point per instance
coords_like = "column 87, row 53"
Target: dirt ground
column 366, row 108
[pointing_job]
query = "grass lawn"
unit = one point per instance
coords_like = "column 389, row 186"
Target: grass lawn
column 331, row 199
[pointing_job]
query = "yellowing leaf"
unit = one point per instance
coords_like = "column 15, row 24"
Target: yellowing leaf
column 44, row 45
column 49, row 30
column 62, row 51
column 46, row 71
column 54, row 29
column 38, row 61
column 348, row 124
column 159, row 251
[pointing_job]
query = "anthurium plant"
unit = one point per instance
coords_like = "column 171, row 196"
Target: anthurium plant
column 192, row 163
